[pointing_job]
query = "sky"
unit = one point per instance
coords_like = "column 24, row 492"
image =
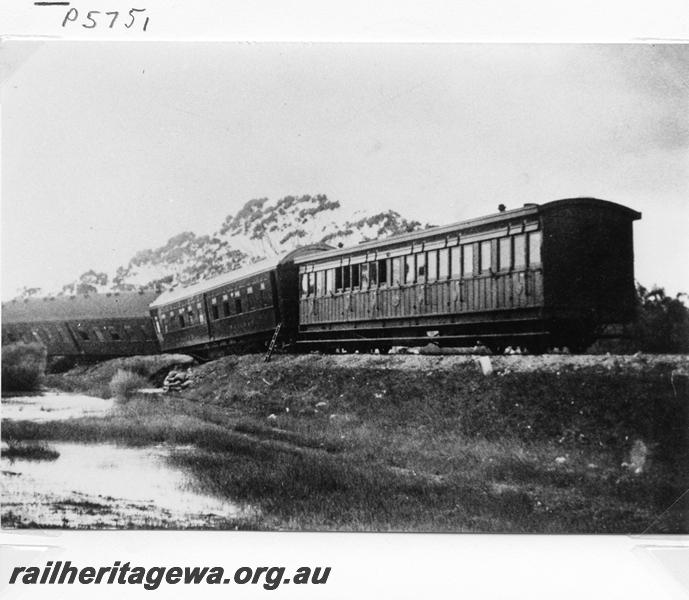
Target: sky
column 110, row 148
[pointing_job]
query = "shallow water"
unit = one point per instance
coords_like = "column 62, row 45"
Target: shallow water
column 53, row 406
column 101, row 485
column 109, row 486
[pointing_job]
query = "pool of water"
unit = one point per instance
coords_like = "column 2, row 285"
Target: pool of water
column 102, row 485
column 53, row 406
column 107, row 485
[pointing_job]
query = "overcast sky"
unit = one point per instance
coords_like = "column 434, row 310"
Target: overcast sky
column 111, row 148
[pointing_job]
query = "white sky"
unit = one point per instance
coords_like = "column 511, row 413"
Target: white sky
column 111, row 148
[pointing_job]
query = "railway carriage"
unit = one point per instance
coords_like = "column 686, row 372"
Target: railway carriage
column 540, row 275
column 85, row 325
column 235, row 311
column 537, row 276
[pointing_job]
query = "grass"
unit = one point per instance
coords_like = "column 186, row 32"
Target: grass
column 95, row 379
column 29, row 451
column 23, row 367
column 124, row 384
column 381, row 446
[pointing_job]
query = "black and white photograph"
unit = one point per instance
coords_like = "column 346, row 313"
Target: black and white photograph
column 401, row 287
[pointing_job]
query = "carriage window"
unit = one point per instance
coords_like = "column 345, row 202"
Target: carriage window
column 180, row 319
column 455, row 262
column 432, row 265
column 12, row 337
column 364, row 276
column 99, row 334
column 128, row 332
column 338, row 278
column 519, row 251
column 304, row 284
column 311, row 284
column 535, row 248
column 237, row 304
column 144, row 331
column 373, row 273
column 355, row 276
column 214, row 309
column 468, row 256
column 443, row 263
column 345, row 277
column 116, row 336
column 409, row 269
column 330, row 281
column 397, row 271
column 226, row 305
column 485, row 256
column 505, row 254
column 199, row 310
column 383, row 271
column 420, row 267
column 190, row 315
column 83, row 335
column 250, row 289
column 320, row 283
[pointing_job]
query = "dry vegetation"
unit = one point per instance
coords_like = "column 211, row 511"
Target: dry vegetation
column 23, row 367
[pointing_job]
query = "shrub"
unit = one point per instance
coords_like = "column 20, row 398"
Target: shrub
column 29, row 451
column 23, row 366
column 124, row 383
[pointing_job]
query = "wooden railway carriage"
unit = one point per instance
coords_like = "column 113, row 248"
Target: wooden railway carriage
column 93, row 325
column 238, row 310
column 535, row 276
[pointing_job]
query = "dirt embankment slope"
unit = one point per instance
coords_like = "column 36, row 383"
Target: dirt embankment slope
column 424, row 443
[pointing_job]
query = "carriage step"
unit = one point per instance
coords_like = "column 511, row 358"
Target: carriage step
column 273, row 341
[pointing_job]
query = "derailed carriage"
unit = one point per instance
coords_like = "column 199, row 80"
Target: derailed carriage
column 84, row 325
column 538, row 276
column 236, row 311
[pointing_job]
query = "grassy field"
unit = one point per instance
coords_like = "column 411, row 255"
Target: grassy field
column 418, row 443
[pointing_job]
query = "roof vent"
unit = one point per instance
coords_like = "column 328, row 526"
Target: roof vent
column 530, row 204
column 501, row 207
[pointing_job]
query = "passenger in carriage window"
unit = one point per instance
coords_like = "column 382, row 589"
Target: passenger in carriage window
column 364, row 276
column 373, row 274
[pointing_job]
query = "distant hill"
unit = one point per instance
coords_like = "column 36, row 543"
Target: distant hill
column 260, row 229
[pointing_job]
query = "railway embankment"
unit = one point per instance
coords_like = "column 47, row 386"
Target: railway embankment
column 552, row 443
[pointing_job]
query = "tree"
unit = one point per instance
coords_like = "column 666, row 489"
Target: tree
column 28, row 292
column 662, row 323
